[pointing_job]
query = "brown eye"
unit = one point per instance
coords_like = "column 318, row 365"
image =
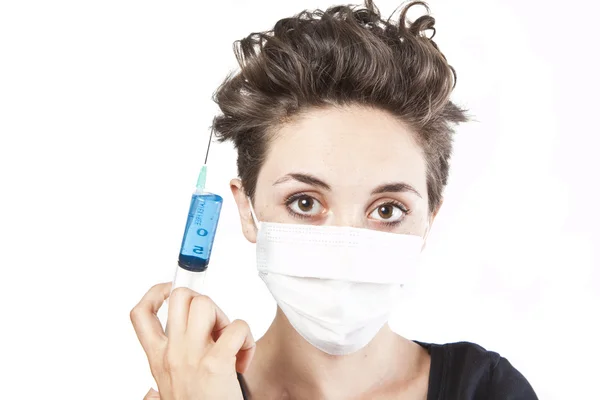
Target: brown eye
column 386, row 211
column 306, row 204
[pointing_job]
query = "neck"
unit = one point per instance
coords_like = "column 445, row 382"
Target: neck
column 286, row 366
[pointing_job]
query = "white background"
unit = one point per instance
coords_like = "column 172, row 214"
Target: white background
column 104, row 115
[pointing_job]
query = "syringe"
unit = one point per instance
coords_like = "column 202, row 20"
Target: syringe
column 199, row 234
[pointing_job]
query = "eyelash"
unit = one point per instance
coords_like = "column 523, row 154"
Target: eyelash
column 293, row 198
column 401, row 206
column 297, row 196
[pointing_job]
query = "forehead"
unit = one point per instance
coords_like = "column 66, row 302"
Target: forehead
column 346, row 147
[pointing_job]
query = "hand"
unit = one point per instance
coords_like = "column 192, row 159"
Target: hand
column 152, row 395
column 203, row 350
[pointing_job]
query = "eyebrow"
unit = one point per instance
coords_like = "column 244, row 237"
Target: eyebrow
column 304, row 178
column 396, row 187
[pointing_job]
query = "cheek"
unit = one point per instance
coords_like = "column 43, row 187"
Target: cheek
column 416, row 223
column 272, row 213
column 419, row 227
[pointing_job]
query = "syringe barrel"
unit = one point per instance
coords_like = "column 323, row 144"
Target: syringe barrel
column 200, row 231
column 188, row 279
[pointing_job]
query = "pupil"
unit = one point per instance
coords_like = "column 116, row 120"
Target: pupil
column 385, row 211
column 305, row 204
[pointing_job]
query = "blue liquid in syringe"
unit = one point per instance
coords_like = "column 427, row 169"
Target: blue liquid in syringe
column 200, row 230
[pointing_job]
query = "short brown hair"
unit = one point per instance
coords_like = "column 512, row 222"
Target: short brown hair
column 345, row 55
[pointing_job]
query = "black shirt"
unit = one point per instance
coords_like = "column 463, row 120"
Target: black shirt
column 466, row 371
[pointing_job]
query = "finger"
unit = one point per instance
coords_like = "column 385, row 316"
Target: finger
column 236, row 339
column 179, row 308
column 152, row 395
column 206, row 319
column 144, row 320
column 243, row 359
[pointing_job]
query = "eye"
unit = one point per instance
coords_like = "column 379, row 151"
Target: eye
column 389, row 213
column 304, row 205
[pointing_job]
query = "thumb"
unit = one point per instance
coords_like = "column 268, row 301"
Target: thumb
column 152, row 395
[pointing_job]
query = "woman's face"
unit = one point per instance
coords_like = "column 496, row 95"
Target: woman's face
column 349, row 166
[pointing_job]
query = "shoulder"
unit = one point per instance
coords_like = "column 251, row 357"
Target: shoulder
column 468, row 371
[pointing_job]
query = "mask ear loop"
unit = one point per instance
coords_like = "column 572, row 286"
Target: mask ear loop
column 256, row 223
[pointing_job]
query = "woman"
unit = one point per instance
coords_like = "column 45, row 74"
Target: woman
column 343, row 126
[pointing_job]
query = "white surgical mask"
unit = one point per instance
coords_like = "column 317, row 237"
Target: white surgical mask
column 337, row 286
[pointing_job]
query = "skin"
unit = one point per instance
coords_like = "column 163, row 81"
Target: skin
column 350, row 166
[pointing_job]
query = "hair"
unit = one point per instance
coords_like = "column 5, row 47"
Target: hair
column 346, row 55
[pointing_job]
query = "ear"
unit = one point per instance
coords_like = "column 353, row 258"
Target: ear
column 431, row 219
column 243, row 204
